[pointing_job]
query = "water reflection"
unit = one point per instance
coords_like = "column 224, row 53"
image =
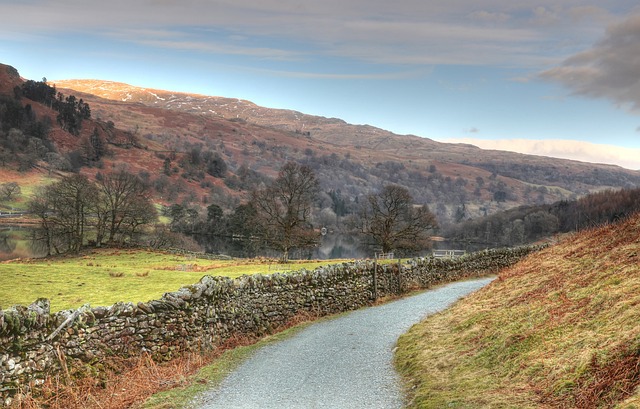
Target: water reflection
column 15, row 242
column 331, row 246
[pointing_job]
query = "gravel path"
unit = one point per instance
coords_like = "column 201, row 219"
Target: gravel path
column 343, row 363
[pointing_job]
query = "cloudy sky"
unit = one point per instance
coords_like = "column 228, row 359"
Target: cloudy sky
column 553, row 77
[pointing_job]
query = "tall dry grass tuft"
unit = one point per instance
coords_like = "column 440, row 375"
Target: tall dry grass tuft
column 605, row 382
column 123, row 384
column 557, row 330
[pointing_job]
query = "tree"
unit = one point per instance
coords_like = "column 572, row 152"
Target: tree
column 283, row 209
column 64, row 209
column 215, row 223
column 393, row 222
column 9, row 190
column 214, row 213
column 126, row 204
column 240, row 221
column 98, row 145
column 166, row 166
column 215, row 165
column 140, row 212
column 41, row 207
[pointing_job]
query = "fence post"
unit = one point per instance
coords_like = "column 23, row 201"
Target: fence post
column 375, row 280
column 399, row 277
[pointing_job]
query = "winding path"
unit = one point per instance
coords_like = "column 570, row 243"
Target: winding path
column 343, row 363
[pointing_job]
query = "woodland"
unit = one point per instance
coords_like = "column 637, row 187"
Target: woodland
column 219, row 184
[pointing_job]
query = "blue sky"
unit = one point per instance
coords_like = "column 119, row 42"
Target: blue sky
column 558, row 78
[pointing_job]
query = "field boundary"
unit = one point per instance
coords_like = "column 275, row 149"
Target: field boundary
column 37, row 345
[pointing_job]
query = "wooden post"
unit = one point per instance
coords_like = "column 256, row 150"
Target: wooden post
column 399, row 278
column 375, row 280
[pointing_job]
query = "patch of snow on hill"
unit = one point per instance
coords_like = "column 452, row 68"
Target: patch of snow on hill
column 157, row 97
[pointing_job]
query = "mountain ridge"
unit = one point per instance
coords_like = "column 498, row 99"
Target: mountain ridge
column 331, row 130
column 289, row 120
column 355, row 160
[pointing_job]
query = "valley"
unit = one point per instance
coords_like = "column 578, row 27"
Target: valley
column 199, row 160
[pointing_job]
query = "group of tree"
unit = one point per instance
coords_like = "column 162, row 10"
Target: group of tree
column 24, row 139
column 194, row 163
column 538, row 174
column 279, row 216
column 74, row 211
column 531, row 223
column 71, row 111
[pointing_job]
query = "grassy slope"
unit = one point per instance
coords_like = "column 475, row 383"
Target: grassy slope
column 104, row 277
column 559, row 329
column 28, row 183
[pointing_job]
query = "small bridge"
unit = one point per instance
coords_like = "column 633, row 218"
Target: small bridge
column 448, row 253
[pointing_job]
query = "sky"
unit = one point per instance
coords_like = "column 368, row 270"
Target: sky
column 550, row 77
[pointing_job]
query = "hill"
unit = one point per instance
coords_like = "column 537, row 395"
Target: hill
column 559, row 329
column 366, row 143
column 170, row 139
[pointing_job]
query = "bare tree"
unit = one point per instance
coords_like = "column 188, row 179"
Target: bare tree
column 393, row 222
column 68, row 208
column 9, row 190
column 283, row 209
column 41, row 207
column 125, row 204
column 64, row 209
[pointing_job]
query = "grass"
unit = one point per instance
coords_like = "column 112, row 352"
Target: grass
column 559, row 329
column 106, row 276
column 28, row 183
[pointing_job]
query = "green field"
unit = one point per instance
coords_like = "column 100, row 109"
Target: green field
column 104, row 277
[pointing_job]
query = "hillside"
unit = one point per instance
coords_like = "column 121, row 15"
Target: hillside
column 168, row 139
column 463, row 159
column 559, row 329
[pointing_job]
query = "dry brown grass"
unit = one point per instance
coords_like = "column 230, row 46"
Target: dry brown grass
column 560, row 329
column 127, row 383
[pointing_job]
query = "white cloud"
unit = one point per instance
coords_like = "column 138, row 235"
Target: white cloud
column 576, row 150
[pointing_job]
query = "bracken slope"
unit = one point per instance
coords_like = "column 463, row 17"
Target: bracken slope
column 560, row 329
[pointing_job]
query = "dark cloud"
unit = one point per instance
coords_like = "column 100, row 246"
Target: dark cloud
column 610, row 69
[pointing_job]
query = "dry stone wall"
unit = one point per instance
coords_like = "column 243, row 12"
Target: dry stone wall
column 34, row 344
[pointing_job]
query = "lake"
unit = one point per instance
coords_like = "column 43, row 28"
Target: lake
column 15, row 242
